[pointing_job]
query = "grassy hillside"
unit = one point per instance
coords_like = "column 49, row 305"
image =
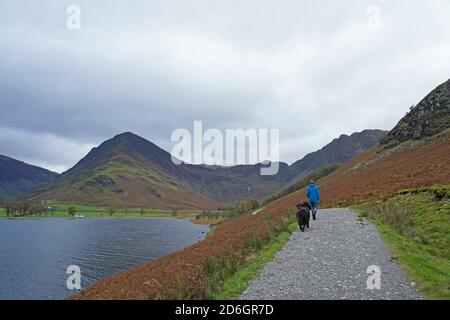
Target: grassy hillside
column 316, row 175
column 416, row 225
column 381, row 172
column 119, row 174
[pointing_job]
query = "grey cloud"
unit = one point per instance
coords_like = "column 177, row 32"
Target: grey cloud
column 310, row 68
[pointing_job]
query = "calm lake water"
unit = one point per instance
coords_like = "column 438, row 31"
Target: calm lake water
column 35, row 253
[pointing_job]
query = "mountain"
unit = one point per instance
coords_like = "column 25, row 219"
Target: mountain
column 429, row 117
column 17, row 177
column 128, row 170
column 339, row 151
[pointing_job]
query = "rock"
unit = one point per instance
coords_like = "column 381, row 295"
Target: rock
column 431, row 116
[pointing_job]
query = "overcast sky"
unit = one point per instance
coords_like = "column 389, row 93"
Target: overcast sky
column 313, row 69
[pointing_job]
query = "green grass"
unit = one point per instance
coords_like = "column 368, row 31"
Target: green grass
column 99, row 212
column 431, row 273
column 61, row 211
column 416, row 225
column 238, row 282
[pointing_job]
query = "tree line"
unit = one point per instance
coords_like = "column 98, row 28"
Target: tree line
column 28, row 209
column 23, row 209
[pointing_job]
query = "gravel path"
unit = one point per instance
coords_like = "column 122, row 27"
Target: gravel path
column 330, row 261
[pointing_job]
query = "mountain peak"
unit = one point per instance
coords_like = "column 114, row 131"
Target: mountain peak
column 127, row 137
column 127, row 134
column 128, row 141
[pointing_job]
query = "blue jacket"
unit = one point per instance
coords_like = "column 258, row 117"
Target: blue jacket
column 312, row 192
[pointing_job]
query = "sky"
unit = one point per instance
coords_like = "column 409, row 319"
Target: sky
column 312, row 69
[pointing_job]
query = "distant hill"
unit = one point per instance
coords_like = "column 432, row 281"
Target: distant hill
column 339, row 151
column 429, row 117
column 17, row 177
column 128, row 170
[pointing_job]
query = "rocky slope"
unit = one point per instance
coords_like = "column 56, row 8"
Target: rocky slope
column 429, row 117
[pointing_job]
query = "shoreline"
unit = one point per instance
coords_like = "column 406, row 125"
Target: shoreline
column 84, row 211
column 191, row 219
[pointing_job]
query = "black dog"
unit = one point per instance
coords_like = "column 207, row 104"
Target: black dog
column 303, row 214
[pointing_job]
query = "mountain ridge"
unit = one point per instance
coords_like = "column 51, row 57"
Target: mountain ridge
column 17, row 177
column 339, row 151
column 128, row 170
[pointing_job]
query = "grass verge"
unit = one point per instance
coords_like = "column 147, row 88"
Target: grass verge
column 415, row 224
column 234, row 286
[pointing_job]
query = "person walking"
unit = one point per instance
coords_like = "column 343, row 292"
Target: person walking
column 313, row 194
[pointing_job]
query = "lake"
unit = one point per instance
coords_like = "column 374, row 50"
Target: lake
column 35, row 253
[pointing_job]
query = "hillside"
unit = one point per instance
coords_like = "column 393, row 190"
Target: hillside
column 376, row 174
column 380, row 172
column 415, row 153
column 338, row 151
column 128, row 170
column 17, row 177
column 429, row 117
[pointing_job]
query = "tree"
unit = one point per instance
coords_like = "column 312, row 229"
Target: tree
column 8, row 210
column 142, row 211
column 72, row 211
column 25, row 207
column 246, row 206
column 11, row 209
column 111, row 211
